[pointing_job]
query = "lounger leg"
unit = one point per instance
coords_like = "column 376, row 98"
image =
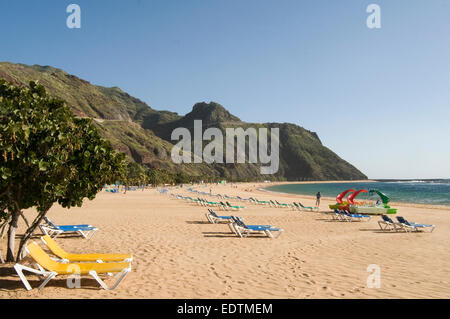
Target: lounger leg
column 238, row 231
column 280, row 232
column 246, row 233
column 92, row 233
column 45, row 282
column 20, row 268
column 102, row 283
column 230, row 225
column 82, row 234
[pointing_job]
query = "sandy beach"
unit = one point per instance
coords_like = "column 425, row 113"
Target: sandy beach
column 178, row 254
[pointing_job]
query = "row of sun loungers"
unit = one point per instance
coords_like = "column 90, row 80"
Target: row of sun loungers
column 64, row 263
column 340, row 215
column 236, row 224
column 203, row 202
column 343, row 215
column 272, row 203
column 386, row 224
column 40, row 263
column 402, row 225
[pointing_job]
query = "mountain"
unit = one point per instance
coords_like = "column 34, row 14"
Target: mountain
column 144, row 133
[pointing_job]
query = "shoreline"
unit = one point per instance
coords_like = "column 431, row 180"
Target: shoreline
column 306, row 196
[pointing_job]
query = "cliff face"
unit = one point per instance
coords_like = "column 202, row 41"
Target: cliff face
column 143, row 133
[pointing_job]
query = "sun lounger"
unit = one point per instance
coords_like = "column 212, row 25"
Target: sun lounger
column 213, row 204
column 244, row 230
column 260, row 202
column 49, row 268
column 272, row 203
column 234, row 207
column 351, row 217
column 306, row 207
column 410, row 226
column 387, row 223
column 223, row 206
column 338, row 215
column 52, row 230
column 213, row 217
column 68, row 257
column 282, row 204
column 243, row 199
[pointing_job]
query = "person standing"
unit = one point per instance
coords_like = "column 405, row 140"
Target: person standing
column 318, row 196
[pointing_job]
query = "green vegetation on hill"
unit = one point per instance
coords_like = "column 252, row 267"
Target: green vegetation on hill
column 144, row 133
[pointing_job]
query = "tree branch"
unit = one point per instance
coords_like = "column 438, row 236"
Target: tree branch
column 23, row 217
column 37, row 221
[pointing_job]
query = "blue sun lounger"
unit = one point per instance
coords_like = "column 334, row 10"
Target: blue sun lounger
column 213, row 217
column 352, row 217
column 388, row 223
column 410, row 226
column 52, row 230
column 338, row 215
column 243, row 230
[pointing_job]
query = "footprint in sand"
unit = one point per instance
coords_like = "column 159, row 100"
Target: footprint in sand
column 291, row 289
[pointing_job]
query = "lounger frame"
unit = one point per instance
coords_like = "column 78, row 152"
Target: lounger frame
column 246, row 230
column 86, row 233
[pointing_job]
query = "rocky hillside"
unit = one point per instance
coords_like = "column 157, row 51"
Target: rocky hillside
column 143, row 133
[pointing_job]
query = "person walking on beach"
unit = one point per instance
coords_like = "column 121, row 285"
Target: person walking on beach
column 318, row 196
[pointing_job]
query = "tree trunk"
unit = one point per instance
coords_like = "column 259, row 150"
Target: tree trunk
column 26, row 237
column 10, row 253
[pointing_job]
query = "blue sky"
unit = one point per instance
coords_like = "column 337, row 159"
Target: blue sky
column 378, row 98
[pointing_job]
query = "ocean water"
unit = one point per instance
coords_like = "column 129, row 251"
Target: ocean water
column 436, row 192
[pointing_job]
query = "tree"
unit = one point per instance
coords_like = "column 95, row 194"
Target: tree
column 136, row 174
column 47, row 156
column 157, row 177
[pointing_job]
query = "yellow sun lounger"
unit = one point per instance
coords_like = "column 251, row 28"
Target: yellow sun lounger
column 68, row 257
column 50, row 268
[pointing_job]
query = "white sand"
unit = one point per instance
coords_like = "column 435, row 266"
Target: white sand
column 177, row 254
